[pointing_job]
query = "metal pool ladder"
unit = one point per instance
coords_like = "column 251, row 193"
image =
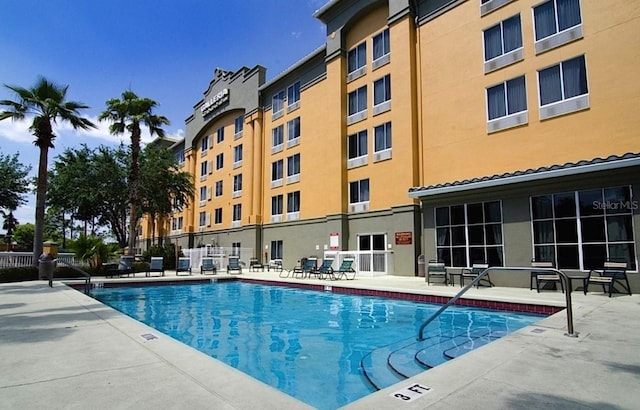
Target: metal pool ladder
column 563, row 276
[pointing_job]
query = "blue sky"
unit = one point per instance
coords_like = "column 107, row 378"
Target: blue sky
column 165, row 50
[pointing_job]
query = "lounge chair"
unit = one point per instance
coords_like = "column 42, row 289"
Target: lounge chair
column 184, row 265
column 436, row 269
column 255, row 265
column 307, row 266
column 473, row 272
column 234, row 265
column 125, row 267
column 156, row 265
column 543, row 277
column 324, row 270
column 206, row 265
column 612, row 273
column 345, row 269
column 275, row 264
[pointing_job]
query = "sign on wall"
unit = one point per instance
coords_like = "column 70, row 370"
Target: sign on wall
column 404, row 238
column 215, row 102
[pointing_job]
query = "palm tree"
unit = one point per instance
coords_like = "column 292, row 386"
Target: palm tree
column 128, row 114
column 46, row 103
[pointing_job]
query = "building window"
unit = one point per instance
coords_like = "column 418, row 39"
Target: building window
column 382, row 94
column 237, row 184
column 176, row 223
column 508, row 99
column 565, row 86
column 237, row 156
column 276, row 250
column 276, row 173
column 277, row 137
column 357, row 105
column 204, row 169
column 203, row 195
column 238, row 125
column 217, row 216
column 218, row 188
column 204, row 145
column 580, row 230
column 381, row 45
column 219, row 161
column 470, row 233
column 220, row 135
column 487, row 6
column 202, row 219
column 237, row 212
column 293, row 165
column 357, row 149
column 503, row 44
column 293, row 132
column 382, row 135
column 357, row 58
column 179, row 156
column 293, row 202
column 276, row 205
column 277, row 103
column 293, row 96
column 359, row 191
column 235, row 248
column 555, row 16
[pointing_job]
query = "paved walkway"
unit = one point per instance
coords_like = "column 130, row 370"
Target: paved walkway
column 60, row 349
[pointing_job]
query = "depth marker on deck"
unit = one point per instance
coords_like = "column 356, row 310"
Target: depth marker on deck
column 412, row 392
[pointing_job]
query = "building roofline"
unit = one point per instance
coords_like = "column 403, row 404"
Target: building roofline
column 293, row 67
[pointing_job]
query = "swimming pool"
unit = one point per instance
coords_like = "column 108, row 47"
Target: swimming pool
column 303, row 342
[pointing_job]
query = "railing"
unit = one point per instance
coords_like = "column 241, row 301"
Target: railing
column 563, row 276
column 367, row 263
column 87, row 277
column 16, row 259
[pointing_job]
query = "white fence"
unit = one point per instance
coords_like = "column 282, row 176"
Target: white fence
column 366, row 263
column 15, row 259
column 219, row 254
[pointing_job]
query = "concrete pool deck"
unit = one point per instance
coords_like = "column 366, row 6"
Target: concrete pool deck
column 62, row 349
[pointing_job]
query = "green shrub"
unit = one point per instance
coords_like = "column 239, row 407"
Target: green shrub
column 168, row 253
column 20, row 274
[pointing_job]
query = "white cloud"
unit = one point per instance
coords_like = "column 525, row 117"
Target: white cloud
column 17, row 131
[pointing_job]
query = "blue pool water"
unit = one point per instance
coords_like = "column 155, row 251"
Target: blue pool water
column 301, row 342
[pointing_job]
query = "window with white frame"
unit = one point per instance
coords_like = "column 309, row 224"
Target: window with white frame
column 202, row 219
column 470, row 233
column 503, row 44
column 277, row 137
column 219, row 161
column 237, row 185
column 277, row 170
column 359, row 191
column 556, row 22
column 381, row 47
column 293, row 132
column 580, row 230
column 204, row 169
column 293, row 202
column 204, row 145
column 357, row 105
column 179, row 156
column 217, row 216
column 277, row 102
column 203, row 195
column 276, row 205
column 293, row 96
column 382, row 94
column 176, row 223
column 237, row 213
column 237, row 156
column 507, row 104
column 357, row 149
column 218, row 188
column 220, row 135
column 276, row 249
column 236, row 247
column 238, row 125
column 357, row 59
column 563, row 88
column 293, row 168
column 382, row 137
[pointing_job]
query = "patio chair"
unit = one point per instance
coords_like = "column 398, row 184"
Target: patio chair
column 473, row 272
column 206, row 265
column 234, row 265
column 324, row 270
column 124, row 267
column 307, row 265
column 275, row 264
column 613, row 272
column 346, row 269
column 156, row 265
column 184, row 265
column 543, row 277
column 436, row 269
column 255, row 264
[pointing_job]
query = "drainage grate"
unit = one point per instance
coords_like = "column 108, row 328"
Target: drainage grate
column 538, row 330
column 149, row 336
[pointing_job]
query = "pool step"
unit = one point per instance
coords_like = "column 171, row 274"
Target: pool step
column 375, row 368
column 473, row 344
column 435, row 355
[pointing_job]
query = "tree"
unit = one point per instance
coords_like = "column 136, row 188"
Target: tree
column 24, row 235
column 164, row 188
column 128, row 114
column 46, row 103
column 13, row 182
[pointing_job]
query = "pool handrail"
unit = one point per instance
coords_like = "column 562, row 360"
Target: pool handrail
column 567, row 281
column 87, row 277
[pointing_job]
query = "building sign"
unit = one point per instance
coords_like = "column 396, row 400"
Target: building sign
column 215, row 102
column 404, row 238
column 334, row 240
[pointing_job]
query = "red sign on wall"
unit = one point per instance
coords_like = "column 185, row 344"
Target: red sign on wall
column 404, row 238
